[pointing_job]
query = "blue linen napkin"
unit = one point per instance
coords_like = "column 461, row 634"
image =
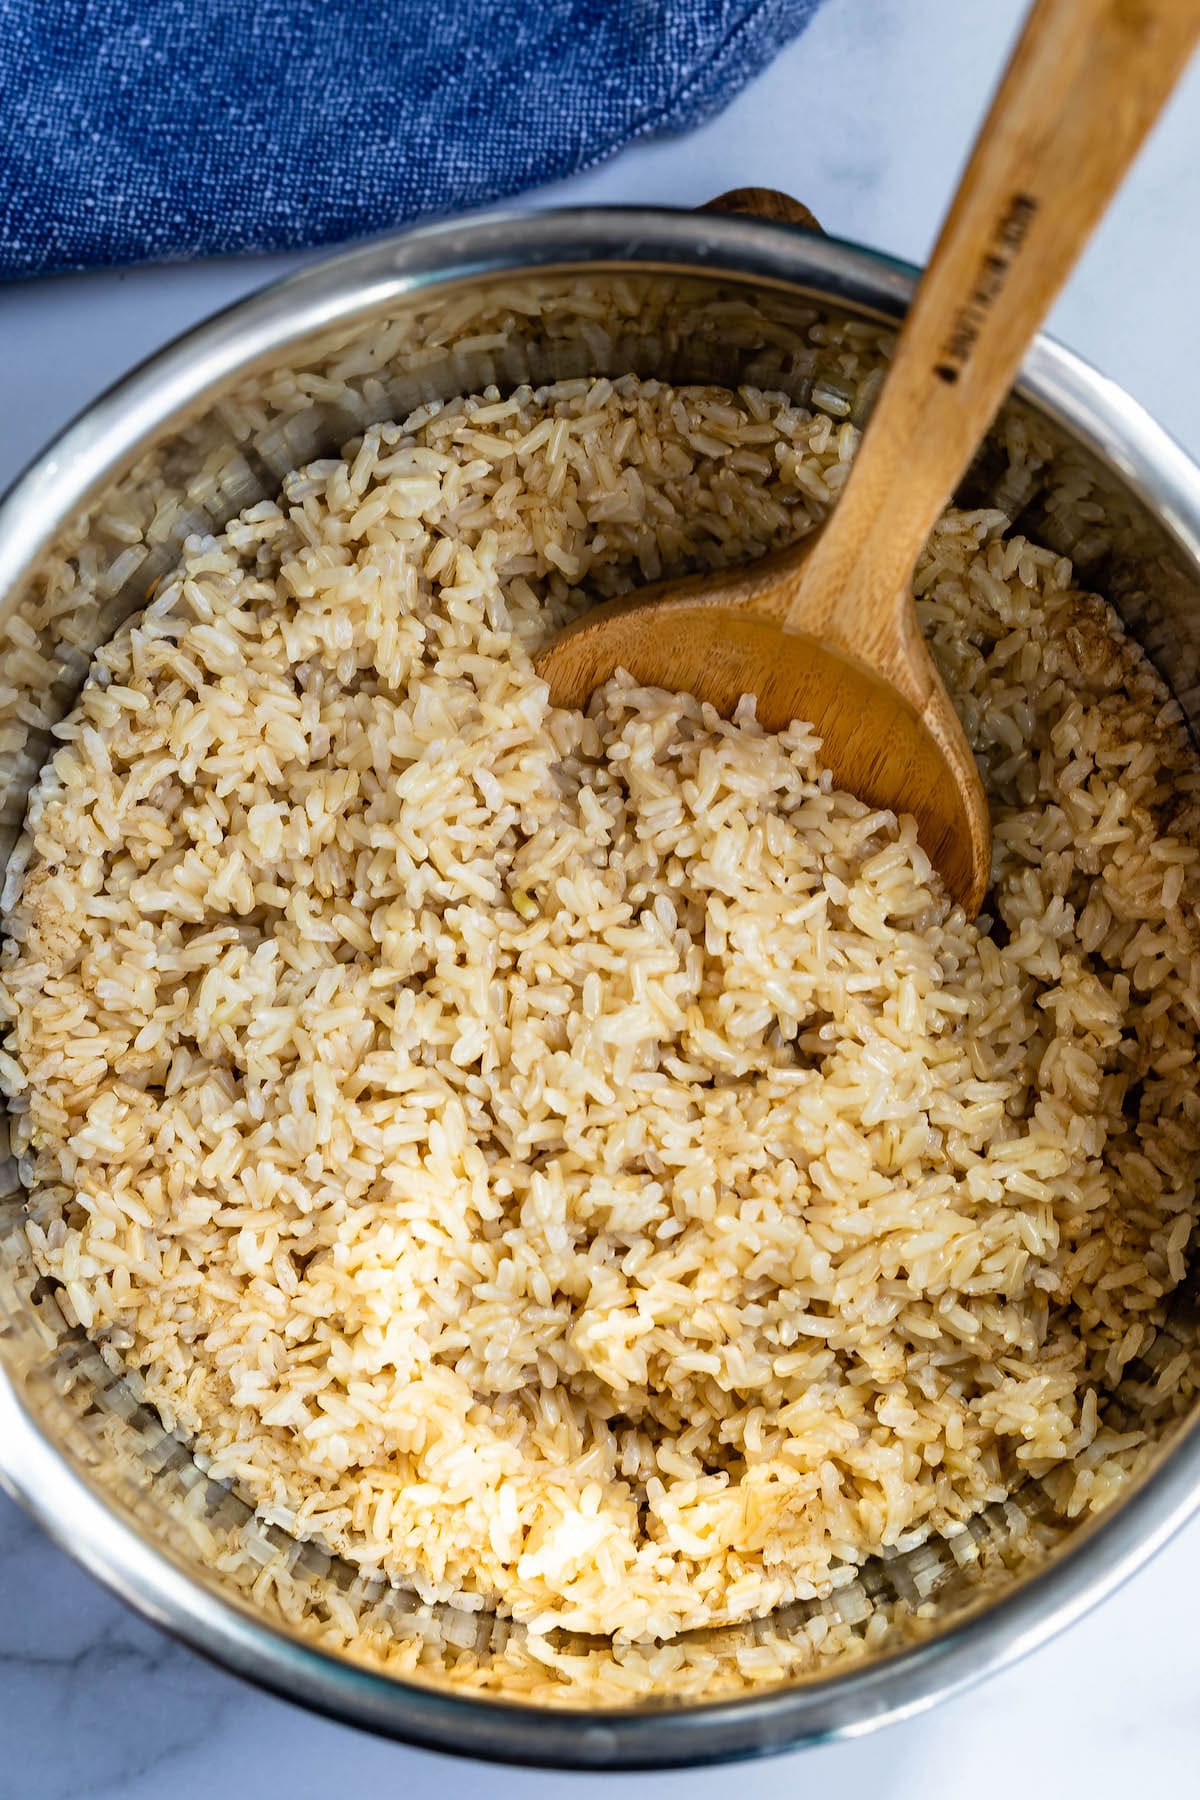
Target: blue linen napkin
column 135, row 130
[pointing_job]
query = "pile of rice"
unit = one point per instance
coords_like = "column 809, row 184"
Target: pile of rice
column 585, row 1166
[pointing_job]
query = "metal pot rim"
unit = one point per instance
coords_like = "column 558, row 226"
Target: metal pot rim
column 56, row 485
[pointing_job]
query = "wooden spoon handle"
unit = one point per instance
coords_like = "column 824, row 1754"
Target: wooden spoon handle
column 1084, row 85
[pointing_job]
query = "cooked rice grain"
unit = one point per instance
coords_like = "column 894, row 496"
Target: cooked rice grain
column 584, row 1165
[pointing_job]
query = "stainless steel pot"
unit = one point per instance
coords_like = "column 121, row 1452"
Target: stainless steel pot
column 193, row 437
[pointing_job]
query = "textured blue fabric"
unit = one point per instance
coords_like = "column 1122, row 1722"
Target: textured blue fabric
column 133, row 130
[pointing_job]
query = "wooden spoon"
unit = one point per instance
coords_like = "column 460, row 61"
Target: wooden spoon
column 826, row 630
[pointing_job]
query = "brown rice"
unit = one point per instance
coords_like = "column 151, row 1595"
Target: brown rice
column 584, row 1166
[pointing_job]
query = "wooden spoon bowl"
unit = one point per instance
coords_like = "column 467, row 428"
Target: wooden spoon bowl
column 892, row 738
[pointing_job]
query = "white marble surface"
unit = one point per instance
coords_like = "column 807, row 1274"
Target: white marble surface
column 866, row 119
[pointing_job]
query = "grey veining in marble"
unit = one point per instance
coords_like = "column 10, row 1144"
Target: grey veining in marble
column 866, row 119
